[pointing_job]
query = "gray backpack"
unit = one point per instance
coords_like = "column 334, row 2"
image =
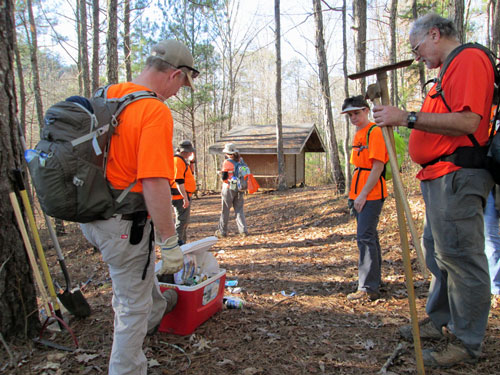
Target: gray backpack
column 239, row 179
column 68, row 165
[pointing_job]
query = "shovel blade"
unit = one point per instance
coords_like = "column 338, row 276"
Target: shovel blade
column 75, row 303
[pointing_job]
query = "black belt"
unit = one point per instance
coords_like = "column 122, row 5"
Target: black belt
column 129, row 217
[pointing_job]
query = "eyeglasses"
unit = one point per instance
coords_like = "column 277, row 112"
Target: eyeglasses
column 417, row 46
column 194, row 72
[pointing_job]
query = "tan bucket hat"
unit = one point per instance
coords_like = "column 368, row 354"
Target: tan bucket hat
column 230, row 149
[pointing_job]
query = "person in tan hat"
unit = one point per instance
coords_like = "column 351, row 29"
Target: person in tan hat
column 141, row 150
column 231, row 197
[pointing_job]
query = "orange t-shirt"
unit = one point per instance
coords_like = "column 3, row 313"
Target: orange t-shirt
column 467, row 86
column 362, row 157
column 141, row 146
column 183, row 172
column 228, row 166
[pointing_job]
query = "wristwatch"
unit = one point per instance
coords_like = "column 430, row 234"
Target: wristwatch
column 412, row 119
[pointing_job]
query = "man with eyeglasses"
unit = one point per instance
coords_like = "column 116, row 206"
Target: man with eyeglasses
column 459, row 297
column 141, row 150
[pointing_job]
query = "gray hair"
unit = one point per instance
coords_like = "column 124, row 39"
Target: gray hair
column 445, row 26
column 159, row 64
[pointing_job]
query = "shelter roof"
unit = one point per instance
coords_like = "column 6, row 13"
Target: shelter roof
column 261, row 139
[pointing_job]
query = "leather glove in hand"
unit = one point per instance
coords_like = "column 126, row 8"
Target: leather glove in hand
column 171, row 255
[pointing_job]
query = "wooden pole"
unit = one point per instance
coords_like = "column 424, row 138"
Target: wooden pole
column 31, row 254
column 400, row 198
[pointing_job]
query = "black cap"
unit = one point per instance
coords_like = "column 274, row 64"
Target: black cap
column 186, row 146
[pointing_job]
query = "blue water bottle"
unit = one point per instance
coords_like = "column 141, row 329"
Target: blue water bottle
column 30, row 154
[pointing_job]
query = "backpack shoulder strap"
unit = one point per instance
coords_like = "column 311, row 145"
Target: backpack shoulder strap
column 118, row 105
column 446, row 64
column 451, row 57
column 235, row 164
column 185, row 163
column 368, row 134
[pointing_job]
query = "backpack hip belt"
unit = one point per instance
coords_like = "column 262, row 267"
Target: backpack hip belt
column 465, row 157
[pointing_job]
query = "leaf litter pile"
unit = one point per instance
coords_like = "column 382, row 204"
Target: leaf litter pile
column 294, row 270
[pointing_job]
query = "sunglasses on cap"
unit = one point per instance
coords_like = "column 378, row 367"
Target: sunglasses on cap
column 194, row 72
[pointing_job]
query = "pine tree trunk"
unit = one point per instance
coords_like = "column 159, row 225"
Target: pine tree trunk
column 421, row 69
column 17, row 292
column 282, row 185
column 79, row 42
column 126, row 40
column 338, row 176
column 394, row 73
column 347, row 140
column 112, row 42
column 359, row 9
column 33, row 46
column 84, row 54
column 95, row 45
column 22, row 87
column 457, row 8
column 495, row 40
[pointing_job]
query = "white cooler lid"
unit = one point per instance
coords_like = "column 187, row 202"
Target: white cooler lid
column 195, row 248
column 200, row 246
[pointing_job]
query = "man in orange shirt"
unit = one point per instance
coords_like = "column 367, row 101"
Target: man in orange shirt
column 459, row 297
column 141, row 151
column 183, row 188
column 367, row 195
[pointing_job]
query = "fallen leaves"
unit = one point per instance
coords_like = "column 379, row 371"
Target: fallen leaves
column 312, row 252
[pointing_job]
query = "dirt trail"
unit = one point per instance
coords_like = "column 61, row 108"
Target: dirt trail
column 301, row 241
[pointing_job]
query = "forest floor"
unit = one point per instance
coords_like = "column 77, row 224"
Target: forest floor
column 303, row 241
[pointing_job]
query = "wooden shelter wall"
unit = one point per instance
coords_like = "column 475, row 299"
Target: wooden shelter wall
column 262, row 165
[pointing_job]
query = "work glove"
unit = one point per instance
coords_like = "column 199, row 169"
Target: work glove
column 171, row 255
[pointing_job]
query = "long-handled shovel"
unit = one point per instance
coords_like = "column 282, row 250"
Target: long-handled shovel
column 73, row 301
column 51, row 310
column 38, row 243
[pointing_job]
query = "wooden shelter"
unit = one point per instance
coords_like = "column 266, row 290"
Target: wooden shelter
column 257, row 145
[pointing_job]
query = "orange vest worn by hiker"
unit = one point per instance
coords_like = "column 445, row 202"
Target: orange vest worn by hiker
column 184, row 175
column 362, row 158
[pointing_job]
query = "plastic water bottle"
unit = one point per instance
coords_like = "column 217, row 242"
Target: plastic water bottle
column 29, row 155
column 231, row 283
column 233, row 184
column 233, row 302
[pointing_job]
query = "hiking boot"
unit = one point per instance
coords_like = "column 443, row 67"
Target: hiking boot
column 170, row 296
column 363, row 295
column 244, row 234
column 219, row 234
column 453, row 354
column 427, row 331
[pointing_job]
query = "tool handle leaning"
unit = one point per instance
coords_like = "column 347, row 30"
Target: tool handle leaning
column 29, row 251
column 399, row 189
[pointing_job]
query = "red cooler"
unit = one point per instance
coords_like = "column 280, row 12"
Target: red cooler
column 197, row 303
